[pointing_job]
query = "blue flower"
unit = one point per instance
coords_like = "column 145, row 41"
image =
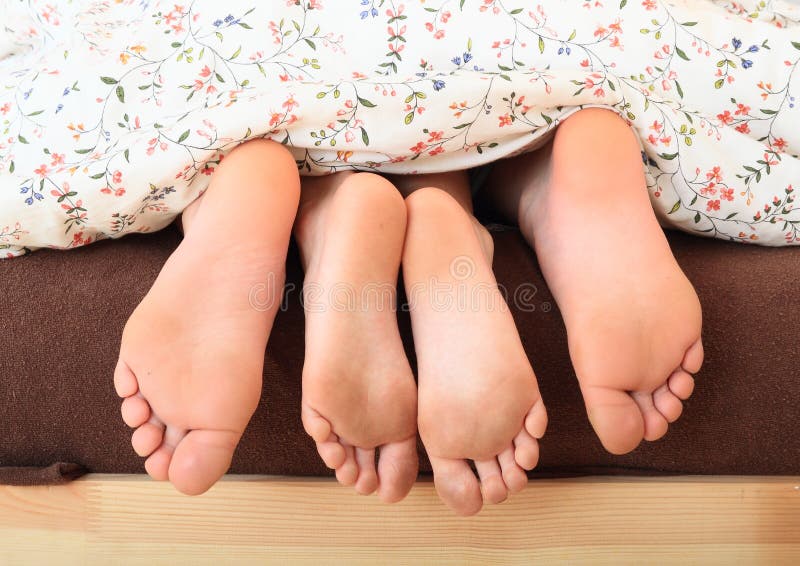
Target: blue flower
column 569, row 50
column 753, row 49
column 747, row 63
column 365, row 2
column 364, row 14
column 59, row 108
column 39, row 196
column 27, row 94
column 24, row 190
column 374, row 12
column 560, row 50
column 737, row 43
column 438, row 85
column 29, row 201
column 467, row 57
column 456, row 60
column 228, row 19
column 217, row 23
column 66, row 91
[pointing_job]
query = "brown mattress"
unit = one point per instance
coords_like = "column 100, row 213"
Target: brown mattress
column 61, row 315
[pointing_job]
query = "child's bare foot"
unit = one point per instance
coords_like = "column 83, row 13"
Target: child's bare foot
column 633, row 318
column 192, row 353
column 478, row 396
column 359, row 393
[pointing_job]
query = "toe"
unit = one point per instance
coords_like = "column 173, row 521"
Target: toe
column 135, row 411
column 693, row 360
column 147, row 438
column 331, row 452
column 655, row 425
column 347, row 473
column 157, row 465
column 513, row 475
column 681, row 384
column 398, row 466
column 536, row 420
column 456, row 485
column 493, row 487
column 526, row 450
column 201, row 458
column 124, row 381
column 367, row 481
column 667, row 403
column 316, row 426
column 615, row 417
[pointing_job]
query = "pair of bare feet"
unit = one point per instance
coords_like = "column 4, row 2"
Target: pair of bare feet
column 192, row 353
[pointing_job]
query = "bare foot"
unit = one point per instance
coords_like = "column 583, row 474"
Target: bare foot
column 359, row 393
column 478, row 396
column 632, row 317
column 192, row 352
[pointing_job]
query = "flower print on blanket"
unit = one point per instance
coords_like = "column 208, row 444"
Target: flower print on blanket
column 115, row 114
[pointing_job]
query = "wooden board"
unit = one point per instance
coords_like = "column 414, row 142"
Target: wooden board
column 257, row 520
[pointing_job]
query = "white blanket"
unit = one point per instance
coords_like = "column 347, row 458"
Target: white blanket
column 114, row 114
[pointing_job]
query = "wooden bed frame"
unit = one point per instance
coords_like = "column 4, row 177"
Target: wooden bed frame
column 105, row 519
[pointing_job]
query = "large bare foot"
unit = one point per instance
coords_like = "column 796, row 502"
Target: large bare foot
column 192, row 352
column 632, row 317
column 478, row 396
column 359, row 393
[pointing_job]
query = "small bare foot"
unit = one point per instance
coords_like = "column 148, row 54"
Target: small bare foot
column 192, row 352
column 632, row 317
column 359, row 394
column 478, row 396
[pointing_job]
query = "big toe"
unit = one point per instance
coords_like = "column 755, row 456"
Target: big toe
column 398, row 466
column 457, row 485
column 615, row 417
column 201, row 458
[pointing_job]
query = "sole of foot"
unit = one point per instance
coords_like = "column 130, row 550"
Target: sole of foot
column 478, row 396
column 633, row 318
column 359, row 394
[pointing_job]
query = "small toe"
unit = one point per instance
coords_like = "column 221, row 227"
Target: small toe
column 667, row 403
column 347, row 473
column 124, row 380
column 615, row 417
column 681, row 384
column 367, row 481
column 526, row 450
column 331, row 452
column 135, row 411
column 147, row 438
column 493, row 487
column 457, row 485
column 315, row 425
column 514, row 476
column 536, row 420
column 157, row 465
column 398, row 465
column 655, row 425
column 693, row 360
column 201, row 458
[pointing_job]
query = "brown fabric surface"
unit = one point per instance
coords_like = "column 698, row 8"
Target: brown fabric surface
column 55, row 474
column 62, row 314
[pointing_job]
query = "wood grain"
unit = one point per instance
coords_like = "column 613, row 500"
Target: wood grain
column 129, row 520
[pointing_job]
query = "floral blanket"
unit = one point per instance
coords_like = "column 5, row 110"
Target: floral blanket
column 114, row 114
